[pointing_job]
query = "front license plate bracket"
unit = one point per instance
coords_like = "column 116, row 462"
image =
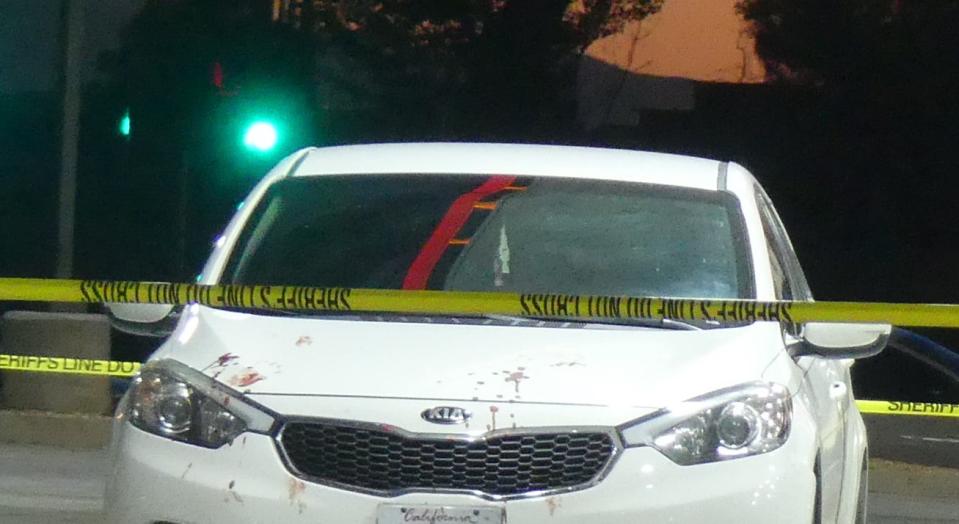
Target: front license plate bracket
column 438, row 514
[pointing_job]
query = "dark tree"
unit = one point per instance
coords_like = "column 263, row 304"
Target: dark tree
column 886, row 74
column 894, row 52
column 193, row 71
column 455, row 69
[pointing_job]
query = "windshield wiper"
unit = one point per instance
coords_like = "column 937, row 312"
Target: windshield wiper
column 284, row 312
column 662, row 323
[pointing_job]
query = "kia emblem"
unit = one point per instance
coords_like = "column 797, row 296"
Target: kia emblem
column 446, row 415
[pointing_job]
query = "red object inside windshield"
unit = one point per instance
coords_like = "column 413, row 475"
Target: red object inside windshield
column 456, row 216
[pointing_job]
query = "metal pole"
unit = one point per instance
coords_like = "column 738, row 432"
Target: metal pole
column 183, row 209
column 69, row 135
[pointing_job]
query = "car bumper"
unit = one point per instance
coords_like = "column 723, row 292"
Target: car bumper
column 158, row 480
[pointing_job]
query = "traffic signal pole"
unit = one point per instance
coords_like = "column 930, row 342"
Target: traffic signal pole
column 69, row 135
column 183, row 210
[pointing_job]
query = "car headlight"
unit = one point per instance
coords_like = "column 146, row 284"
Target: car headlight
column 175, row 401
column 731, row 423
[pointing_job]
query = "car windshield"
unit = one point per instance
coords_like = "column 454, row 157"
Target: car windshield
column 495, row 233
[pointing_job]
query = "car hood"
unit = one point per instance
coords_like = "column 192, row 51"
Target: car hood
column 600, row 365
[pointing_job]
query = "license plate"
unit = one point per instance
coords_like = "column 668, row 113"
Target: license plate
column 429, row 514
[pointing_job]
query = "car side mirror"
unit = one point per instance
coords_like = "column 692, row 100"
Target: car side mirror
column 843, row 341
column 151, row 320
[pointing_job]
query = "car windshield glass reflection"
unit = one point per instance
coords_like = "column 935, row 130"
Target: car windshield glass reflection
column 477, row 233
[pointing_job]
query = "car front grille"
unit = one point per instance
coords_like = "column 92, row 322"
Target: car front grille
column 390, row 461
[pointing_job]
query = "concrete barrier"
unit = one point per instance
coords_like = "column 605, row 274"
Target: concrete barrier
column 55, row 334
column 74, row 431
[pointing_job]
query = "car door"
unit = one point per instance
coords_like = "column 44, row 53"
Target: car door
column 826, row 380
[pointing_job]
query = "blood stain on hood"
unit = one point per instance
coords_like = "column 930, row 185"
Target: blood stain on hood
column 245, row 378
column 221, row 363
column 296, row 489
column 516, row 377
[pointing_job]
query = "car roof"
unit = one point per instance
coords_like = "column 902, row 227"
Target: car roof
column 510, row 159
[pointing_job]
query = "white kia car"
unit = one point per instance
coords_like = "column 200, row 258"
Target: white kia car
column 368, row 417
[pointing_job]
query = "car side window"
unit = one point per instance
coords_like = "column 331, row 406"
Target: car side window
column 788, row 278
column 780, row 282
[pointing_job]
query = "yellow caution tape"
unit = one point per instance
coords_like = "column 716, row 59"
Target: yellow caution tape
column 325, row 299
column 113, row 368
column 898, row 407
column 75, row 366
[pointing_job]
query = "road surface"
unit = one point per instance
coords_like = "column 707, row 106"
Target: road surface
column 931, row 441
column 42, row 485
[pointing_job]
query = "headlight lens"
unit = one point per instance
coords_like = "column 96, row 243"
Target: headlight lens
column 736, row 422
column 175, row 401
column 174, row 410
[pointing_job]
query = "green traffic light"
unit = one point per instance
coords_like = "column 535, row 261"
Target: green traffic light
column 260, row 136
column 123, row 126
